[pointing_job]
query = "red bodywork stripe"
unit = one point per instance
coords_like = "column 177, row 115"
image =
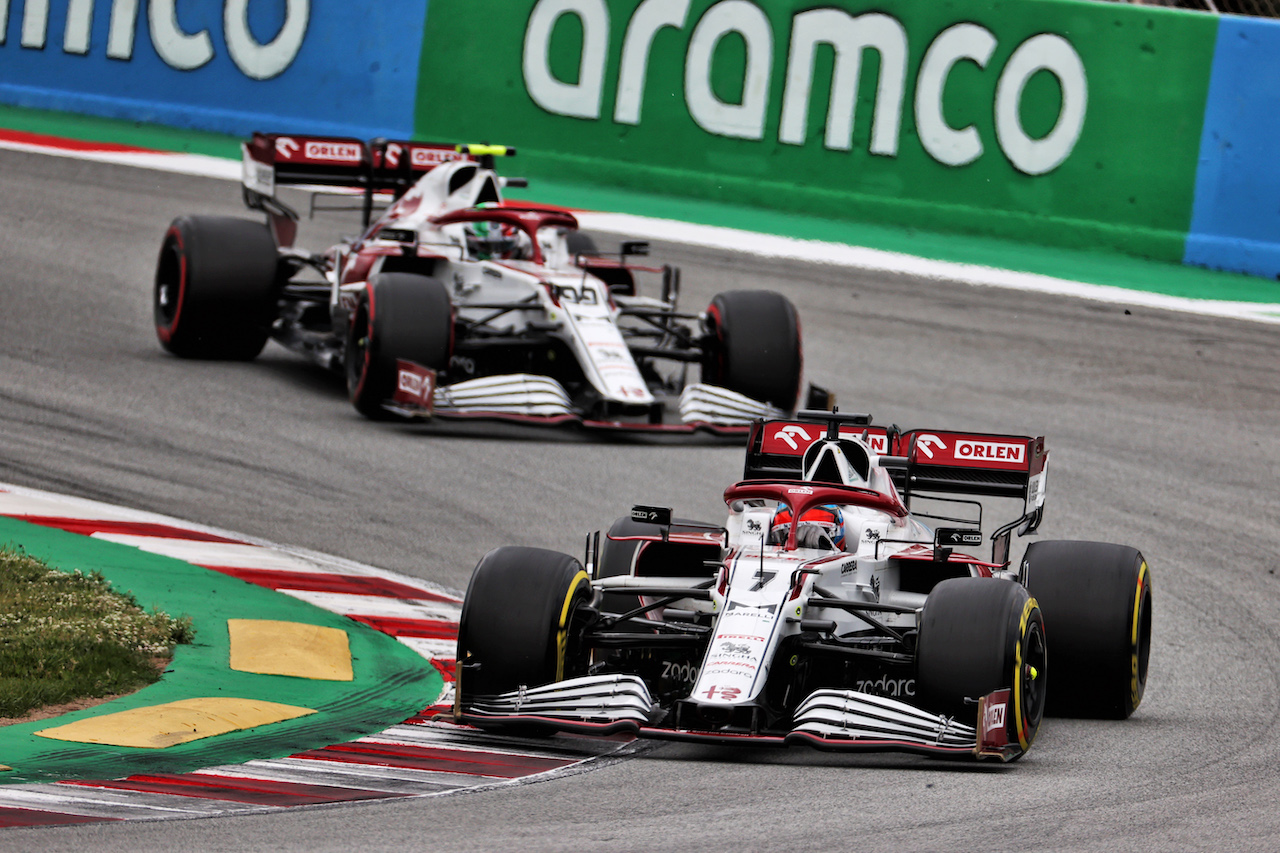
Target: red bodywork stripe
column 262, row 792
column 468, row 762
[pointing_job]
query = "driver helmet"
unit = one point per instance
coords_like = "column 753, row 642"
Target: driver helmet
column 827, row 518
column 492, row 240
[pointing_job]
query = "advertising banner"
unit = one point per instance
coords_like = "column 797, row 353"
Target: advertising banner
column 1058, row 122
column 1236, row 220
column 234, row 66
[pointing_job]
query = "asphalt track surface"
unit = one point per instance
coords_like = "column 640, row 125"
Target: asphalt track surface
column 1162, row 435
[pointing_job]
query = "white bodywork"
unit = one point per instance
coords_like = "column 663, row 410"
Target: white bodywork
column 570, row 302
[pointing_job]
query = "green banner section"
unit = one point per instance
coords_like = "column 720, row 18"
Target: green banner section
column 1064, row 123
column 391, row 682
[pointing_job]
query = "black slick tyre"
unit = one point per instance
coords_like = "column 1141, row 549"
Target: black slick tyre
column 1096, row 600
column 978, row 635
column 216, row 292
column 517, row 622
column 398, row 316
column 753, row 346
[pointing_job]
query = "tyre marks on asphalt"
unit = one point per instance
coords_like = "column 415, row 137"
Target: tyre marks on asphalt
column 423, row 756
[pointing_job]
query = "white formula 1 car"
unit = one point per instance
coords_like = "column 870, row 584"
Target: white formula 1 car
column 456, row 303
column 827, row 610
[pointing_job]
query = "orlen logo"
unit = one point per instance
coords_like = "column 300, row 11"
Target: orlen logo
column 790, row 432
column 994, row 718
column 990, row 451
column 433, row 156
column 337, row 152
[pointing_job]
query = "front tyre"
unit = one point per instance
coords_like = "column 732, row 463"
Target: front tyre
column 753, row 346
column 978, row 635
column 518, row 620
column 397, row 316
column 215, row 291
column 1096, row 600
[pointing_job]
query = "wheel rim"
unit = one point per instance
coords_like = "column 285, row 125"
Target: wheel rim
column 357, row 356
column 1032, row 682
column 1033, row 675
column 168, row 294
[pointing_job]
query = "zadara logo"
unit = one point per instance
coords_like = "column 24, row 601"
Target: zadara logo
column 807, row 34
column 176, row 47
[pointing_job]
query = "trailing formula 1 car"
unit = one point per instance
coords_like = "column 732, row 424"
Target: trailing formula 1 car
column 457, row 303
column 826, row 611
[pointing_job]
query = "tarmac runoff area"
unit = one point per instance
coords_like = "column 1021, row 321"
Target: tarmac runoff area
column 311, row 680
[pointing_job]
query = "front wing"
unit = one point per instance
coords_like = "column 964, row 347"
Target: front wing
column 838, row 720
column 535, row 400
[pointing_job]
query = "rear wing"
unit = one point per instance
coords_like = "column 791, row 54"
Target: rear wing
column 334, row 162
column 932, row 461
column 344, row 164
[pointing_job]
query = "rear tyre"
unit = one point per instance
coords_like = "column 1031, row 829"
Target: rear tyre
column 518, row 620
column 978, row 635
column 398, row 316
column 1096, row 600
column 215, row 289
column 754, row 346
column 617, row 555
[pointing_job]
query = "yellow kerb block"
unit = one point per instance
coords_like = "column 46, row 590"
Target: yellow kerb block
column 289, row 648
column 172, row 723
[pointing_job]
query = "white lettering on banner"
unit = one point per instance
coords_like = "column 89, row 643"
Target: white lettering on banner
column 75, row 39
column 948, row 145
column 1045, row 52
column 849, row 36
column 35, row 23
column 744, row 120
column 650, row 16
column 178, row 48
column 263, row 61
column 124, row 21
column 181, row 50
column 580, row 99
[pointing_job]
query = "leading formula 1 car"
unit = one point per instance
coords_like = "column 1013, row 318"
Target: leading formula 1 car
column 456, row 303
column 826, row 611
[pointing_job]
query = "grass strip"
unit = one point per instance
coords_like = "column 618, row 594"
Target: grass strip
column 66, row 636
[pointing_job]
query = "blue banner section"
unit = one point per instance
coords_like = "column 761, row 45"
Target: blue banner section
column 344, row 67
column 1235, row 221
